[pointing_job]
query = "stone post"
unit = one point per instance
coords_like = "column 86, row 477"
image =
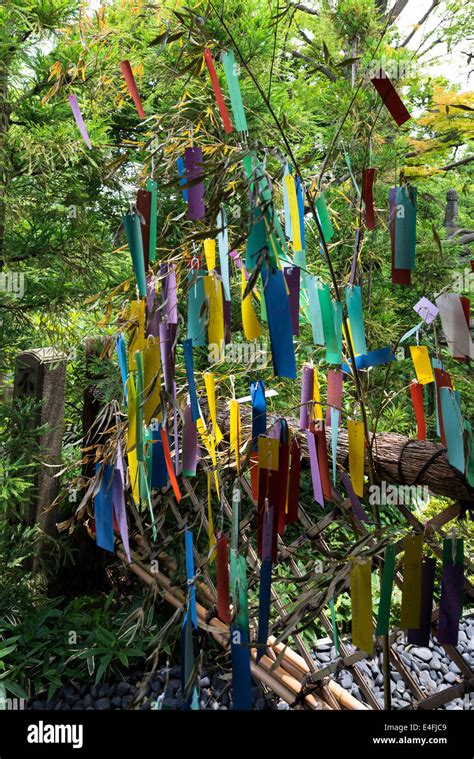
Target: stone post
column 40, row 374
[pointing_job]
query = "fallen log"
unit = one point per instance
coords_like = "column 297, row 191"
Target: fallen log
column 398, row 459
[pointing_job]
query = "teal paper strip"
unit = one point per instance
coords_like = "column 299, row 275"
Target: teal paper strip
column 335, row 357
column 335, row 634
column 327, row 315
column 228, row 60
column 356, row 318
column 299, row 259
column 315, row 316
column 453, row 427
column 151, row 186
column 383, row 617
column 131, row 224
column 196, row 311
column 405, row 227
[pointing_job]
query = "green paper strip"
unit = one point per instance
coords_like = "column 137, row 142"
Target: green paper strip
column 335, row 634
column 324, row 218
column 469, row 453
column 383, row 617
column 331, row 356
column 131, row 224
column 329, row 327
column 151, row 186
column 228, row 60
column 448, row 551
column 242, row 616
column 139, row 406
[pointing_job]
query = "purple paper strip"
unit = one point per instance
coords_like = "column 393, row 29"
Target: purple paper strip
column 426, row 309
column 307, row 384
column 354, row 257
column 175, row 431
column 227, row 321
column 152, row 309
column 267, row 535
column 292, row 277
column 79, row 120
column 334, row 394
column 190, row 444
column 119, row 505
column 167, row 351
column 315, row 475
column 193, row 159
column 274, row 431
column 170, row 301
column 421, row 637
column 450, row 606
column 356, row 504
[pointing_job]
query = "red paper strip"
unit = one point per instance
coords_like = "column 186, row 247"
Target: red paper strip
column 132, row 86
column 442, row 379
column 321, row 450
column 217, row 91
column 368, row 176
column 222, row 576
column 283, row 461
column 268, row 487
column 144, row 209
column 294, row 483
column 416, row 392
column 391, row 98
column 169, row 463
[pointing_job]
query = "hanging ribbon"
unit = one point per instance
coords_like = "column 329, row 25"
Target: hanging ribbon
column 79, row 120
column 411, row 591
column 230, row 69
column 361, row 597
column 416, row 392
column 421, row 636
column 368, row 176
column 131, row 224
column 391, row 98
column 217, row 91
column 103, row 508
column 452, row 592
column 383, row 617
column 132, row 87
column 355, row 432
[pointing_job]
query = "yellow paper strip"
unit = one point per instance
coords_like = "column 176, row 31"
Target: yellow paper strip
column 152, row 380
column 268, row 449
column 210, row 520
column 361, row 597
column 235, row 432
column 422, row 363
column 132, row 440
column 250, row 323
column 210, row 253
column 317, row 408
column 215, row 327
column 411, row 589
column 294, row 215
column 209, row 381
column 210, row 446
column 356, row 455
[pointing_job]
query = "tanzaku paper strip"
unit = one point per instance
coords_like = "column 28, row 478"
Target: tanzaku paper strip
column 411, row 591
column 132, row 87
column 79, row 120
column 422, row 363
column 355, row 431
column 217, row 91
column 361, row 597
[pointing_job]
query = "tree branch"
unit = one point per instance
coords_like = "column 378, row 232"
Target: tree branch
column 316, row 66
column 420, row 22
column 454, row 165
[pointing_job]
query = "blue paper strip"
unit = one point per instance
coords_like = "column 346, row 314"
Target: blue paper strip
column 374, row 358
column 259, row 412
column 279, row 323
column 122, row 359
column 188, row 539
column 103, row 508
column 300, row 199
column 182, row 173
column 159, row 472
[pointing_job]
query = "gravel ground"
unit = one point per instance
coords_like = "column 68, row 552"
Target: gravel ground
column 431, row 667
column 163, row 691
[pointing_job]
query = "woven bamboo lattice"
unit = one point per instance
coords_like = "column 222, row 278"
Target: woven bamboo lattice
column 292, row 674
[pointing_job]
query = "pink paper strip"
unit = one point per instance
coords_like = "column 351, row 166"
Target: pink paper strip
column 334, row 394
